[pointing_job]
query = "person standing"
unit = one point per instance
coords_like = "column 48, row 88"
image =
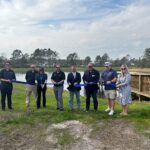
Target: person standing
column 91, row 78
column 73, row 79
column 124, row 85
column 58, row 78
column 41, row 79
column 7, row 76
column 31, row 86
column 109, row 77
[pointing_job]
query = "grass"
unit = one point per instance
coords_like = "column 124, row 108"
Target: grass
column 139, row 113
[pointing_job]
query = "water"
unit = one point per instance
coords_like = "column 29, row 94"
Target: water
column 21, row 77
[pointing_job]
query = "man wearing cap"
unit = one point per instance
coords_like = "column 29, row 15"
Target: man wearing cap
column 109, row 77
column 91, row 79
column 58, row 78
column 31, row 85
column 7, row 75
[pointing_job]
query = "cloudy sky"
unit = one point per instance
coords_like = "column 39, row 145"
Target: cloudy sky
column 89, row 27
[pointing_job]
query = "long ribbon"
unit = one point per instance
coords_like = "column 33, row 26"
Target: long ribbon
column 77, row 85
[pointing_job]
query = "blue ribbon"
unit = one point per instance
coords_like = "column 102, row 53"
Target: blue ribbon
column 85, row 84
column 77, row 85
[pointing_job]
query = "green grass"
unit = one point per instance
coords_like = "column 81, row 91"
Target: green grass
column 139, row 113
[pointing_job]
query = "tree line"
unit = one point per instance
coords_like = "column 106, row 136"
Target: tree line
column 49, row 57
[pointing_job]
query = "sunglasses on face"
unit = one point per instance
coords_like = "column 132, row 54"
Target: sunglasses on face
column 123, row 68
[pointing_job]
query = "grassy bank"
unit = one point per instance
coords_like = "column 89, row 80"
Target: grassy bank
column 139, row 113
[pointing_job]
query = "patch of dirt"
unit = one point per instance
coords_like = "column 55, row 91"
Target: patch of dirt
column 113, row 135
column 74, row 135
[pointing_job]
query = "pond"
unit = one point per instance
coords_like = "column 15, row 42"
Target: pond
column 21, row 77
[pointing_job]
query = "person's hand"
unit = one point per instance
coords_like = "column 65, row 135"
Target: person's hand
column 42, row 85
column 60, row 82
column 54, row 82
column 108, row 82
column 75, row 83
column 9, row 81
column 118, row 85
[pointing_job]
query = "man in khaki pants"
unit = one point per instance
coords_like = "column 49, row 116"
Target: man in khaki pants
column 31, row 85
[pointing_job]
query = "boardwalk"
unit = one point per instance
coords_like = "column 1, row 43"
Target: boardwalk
column 141, row 84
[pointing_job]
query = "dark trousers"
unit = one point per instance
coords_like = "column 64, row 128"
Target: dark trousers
column 6, row 90
column 41, row 91
column 93, row 94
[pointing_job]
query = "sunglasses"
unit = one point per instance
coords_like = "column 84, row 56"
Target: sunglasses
column 123, row 68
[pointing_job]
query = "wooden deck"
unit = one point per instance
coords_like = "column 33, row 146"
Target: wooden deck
column 141, row 84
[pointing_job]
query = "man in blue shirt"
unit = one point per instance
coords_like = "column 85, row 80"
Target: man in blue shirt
column 58, row 78
column 31, row 86
column 91, row 78
column 109, row 77
column 7, row 75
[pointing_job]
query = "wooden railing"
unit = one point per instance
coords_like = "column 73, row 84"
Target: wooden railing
column 141, row 84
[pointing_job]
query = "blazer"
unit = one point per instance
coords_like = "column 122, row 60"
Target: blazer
column 71, row 80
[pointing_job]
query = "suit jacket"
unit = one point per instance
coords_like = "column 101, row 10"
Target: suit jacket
column 72, row 80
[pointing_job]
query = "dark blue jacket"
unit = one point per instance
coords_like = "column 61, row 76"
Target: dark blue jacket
column 72, row 80
column 91, row 76
column 30, row 76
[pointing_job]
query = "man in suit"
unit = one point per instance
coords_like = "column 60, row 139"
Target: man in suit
column 73, row 79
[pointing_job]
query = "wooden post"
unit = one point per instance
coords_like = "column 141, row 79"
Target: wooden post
column 140, row 86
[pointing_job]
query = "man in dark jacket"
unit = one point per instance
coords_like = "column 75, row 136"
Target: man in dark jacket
column 58, row 78
column 31, row 86
column 91, row 78
column 73, row 79
column 7, row 75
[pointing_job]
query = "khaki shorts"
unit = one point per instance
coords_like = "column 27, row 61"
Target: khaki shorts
column 110, row 94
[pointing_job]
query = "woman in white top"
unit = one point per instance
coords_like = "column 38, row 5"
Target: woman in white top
column 124, row 85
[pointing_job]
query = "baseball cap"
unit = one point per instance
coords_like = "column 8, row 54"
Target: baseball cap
column 107, row 64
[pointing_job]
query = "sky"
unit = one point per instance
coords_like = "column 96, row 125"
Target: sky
column 88, row 27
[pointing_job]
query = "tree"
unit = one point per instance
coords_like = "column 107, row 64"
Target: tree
column 16, row 55
column 72, row 59
column 51, row 57
column 105, row 58
column 87, row 60
column 98, row 60
column 146, row 58
column 18, row 59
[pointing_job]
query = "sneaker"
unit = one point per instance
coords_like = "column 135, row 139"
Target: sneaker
column 107, row 110
column 123, row 114
column 111, row 113
column 85, row 110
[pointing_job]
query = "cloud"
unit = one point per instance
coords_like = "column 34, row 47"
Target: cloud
column 89, row 27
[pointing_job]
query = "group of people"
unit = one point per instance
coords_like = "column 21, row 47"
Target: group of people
column 36, row 83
